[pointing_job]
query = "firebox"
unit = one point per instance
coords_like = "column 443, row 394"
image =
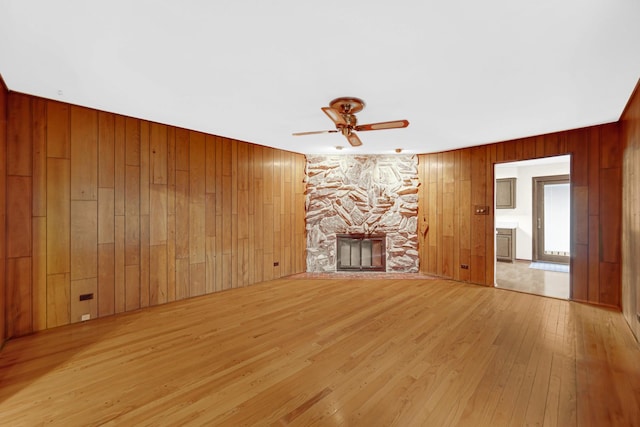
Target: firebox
column 361, row 252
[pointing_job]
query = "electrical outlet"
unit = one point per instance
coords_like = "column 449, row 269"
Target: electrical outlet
column 85, row 317
column 86, row 297
column 275, row 264
column 464, row 266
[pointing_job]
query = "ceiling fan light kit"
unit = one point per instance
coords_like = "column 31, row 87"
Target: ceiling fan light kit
column 342, row 112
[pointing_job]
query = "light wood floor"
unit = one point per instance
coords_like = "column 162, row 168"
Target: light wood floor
column 517, row 276
column 332, row 352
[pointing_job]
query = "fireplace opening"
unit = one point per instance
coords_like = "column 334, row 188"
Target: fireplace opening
column 361, row 252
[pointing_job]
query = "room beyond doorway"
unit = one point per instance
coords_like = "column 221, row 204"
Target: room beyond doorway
column 519, row 265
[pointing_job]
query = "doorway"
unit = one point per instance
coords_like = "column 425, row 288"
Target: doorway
column 518, row 265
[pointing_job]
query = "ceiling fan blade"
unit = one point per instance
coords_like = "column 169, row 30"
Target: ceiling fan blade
column 334, row 115
column 314, row 132
column 384, row 125
column 354, row 140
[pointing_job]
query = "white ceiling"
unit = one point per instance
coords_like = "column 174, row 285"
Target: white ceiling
column 462, row 72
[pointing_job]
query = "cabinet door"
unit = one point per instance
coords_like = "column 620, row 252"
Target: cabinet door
column 506, row 193
column 504, row 247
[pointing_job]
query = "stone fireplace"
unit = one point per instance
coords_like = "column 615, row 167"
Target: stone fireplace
column 366, row 196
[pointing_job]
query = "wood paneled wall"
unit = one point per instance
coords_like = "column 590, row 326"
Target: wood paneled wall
column 630, row 126
column 455, row 182
column 138, row 213
column 3, row 183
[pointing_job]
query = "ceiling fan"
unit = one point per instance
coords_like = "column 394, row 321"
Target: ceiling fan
column 342, row 112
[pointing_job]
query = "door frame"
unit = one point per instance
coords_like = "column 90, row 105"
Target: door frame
column 537, row 216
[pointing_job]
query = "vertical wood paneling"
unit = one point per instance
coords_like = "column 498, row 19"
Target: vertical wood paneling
column 593, row 259
column 138, row 213
column 132, row 287
column 119, row 157
column 145, row 254
column 210, row 242
column 158, row 153
column 84, row 239
column 490, row 234
column 58, row 226
column 58, row 299
column 596, row 223
column 58, row 216
column 182, row 149
column 233, row 265
column 580, row 272
column 106, row 279
column 218, row 281
column 630, row 138
column 119, row 297
column 132, row 215
column 226, row 213
column 197, row 283
column 242, row 216
column 84, row 154
column 4, row 95
column 580, row 214
column 171, row 214
column 197, row 190
column 158, row 221
column 132, row 138
column 171, row 258
column 158, row 274
column 19, row 159
column 579, row 171
column 610, row 218
column 197, row 186
column 197, row 170
column 210, row 213
column 465, row 212
column 593, row 162
column 18, row 216
column 182, row 278
column 19, row 296
column 106, row 217
column 39, row 168
column 39, row 272
column 479, row 224
column 106, row 150
column 182, row 214
column 19, row 201
column 268, row 242
column 145, row 216
column 58, row 140
column 171, row 170
column 111, row 142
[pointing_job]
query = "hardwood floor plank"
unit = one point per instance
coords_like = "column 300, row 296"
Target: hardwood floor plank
column 332, row 351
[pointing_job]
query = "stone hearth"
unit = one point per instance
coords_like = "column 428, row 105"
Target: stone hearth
column 373, row 194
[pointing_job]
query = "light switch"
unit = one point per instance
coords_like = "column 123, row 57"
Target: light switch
column 481, row 210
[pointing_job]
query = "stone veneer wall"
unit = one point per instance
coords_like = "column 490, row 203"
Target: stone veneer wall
column 362, row 194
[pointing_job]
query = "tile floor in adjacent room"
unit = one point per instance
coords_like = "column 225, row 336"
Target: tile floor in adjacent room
column 518, row 276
